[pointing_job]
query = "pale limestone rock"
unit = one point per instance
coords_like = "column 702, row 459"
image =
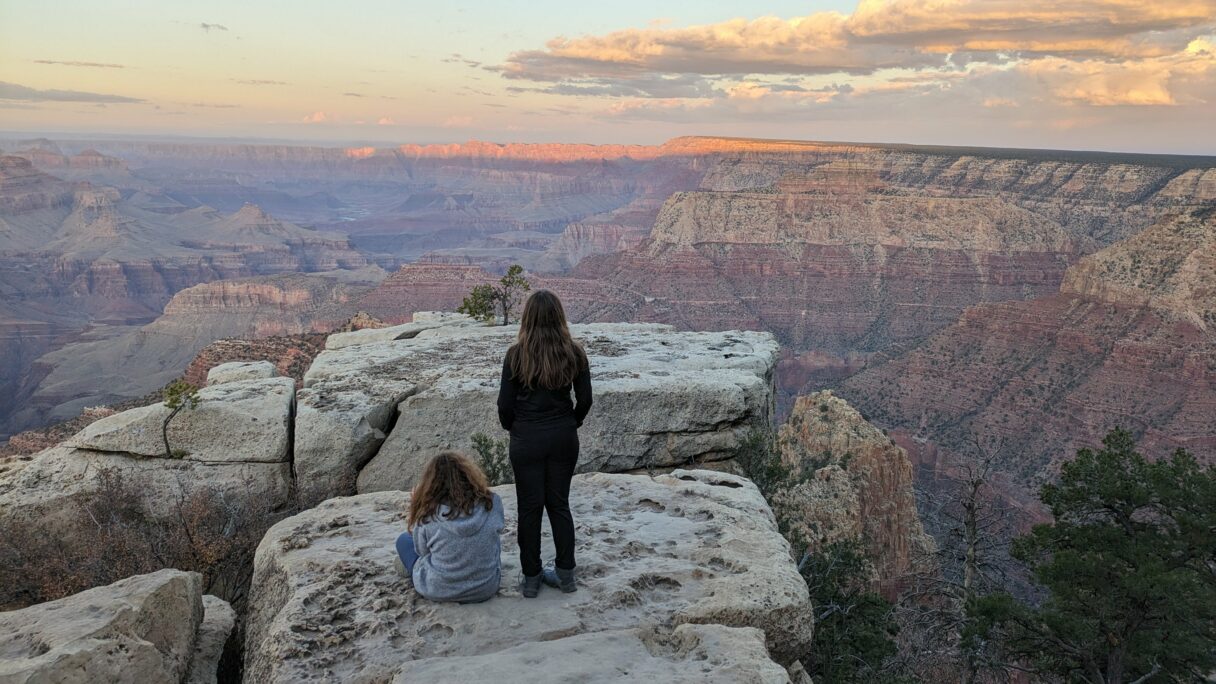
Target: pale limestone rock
column 662, row 398
column 689, row 547
column 858, row 486
column 241, row 370
column 239, row 421
column 423, row 320
column 689, row 654
column 218, row 621
column 50, row 485
column 140, row 629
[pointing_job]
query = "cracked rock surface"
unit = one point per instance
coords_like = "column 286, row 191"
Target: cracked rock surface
column 146, row 628
column 697, row 547
column 662, row 399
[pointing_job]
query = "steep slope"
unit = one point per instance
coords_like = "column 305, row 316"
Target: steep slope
column 858, row 486
column 1128, row 341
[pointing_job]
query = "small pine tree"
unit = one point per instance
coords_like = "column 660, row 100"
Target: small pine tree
column 511, row 291
column 493, row 459
column 179, row 395
column 479, row 303
column 484, row 301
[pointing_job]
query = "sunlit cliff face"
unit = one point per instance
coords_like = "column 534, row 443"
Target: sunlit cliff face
column 1117, row 74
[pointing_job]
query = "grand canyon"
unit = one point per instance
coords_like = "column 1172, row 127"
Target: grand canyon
column 943, row 291
column 889, row 330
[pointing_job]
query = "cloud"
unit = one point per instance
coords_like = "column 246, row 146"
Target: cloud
column 354, row 94
column 316, row 117
column 933, row 60
column 457, row 58
column 385, row 121
column 212, row 27
column 97, row 65
column 259, row 82
column 457, row 122
column 13, row 91
column 880, row 34
column 209, row 105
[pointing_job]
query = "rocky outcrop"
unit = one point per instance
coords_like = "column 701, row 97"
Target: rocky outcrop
column 234, row 420
column 662, row 399
column 147, row 628
column 241, row 370
column 235, row 445
column 679, row 549
column 857, row 485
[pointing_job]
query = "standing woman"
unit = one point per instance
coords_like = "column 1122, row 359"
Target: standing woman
column 538, row 374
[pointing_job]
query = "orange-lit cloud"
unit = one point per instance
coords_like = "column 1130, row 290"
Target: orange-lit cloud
column 983, row 54
column 316, row 117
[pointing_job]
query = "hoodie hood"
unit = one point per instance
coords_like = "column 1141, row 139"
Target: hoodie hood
column 469, row 525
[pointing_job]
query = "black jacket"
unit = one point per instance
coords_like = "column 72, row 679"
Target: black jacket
column 543, row 407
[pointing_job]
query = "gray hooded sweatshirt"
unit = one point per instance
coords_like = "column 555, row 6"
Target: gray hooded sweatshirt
column 459, row 557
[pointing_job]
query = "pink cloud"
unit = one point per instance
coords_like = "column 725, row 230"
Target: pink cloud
column 316, row 117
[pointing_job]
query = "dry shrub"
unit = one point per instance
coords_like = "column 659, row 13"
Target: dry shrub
column 113, row 534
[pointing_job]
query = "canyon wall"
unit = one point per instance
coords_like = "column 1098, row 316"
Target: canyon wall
column 1127, row 341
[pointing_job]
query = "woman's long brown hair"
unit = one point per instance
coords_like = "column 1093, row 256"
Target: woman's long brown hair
column 450, row 478
column 545, row 355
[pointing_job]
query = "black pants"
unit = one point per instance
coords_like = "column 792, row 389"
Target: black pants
column 543, row 459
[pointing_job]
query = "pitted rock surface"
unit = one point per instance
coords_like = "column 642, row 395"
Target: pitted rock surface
column 689, row 654
column 689, row 547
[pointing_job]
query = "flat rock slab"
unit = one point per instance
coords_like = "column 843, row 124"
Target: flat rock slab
column 423, row 320
column 690, row 547
column 662, row 399
column 241, row 370
column 689, row 654
column 140, row 629
column 237, row 421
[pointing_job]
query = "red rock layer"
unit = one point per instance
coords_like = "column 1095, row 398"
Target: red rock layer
column 292, row 355
column 1049, row 376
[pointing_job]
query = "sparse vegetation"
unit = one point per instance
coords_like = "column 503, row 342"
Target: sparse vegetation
column 179, row 396
column 205, row 529
column 493, row 459
column 484, row 302
column 854, row 628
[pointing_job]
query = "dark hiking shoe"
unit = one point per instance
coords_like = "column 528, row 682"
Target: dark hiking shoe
column 530, row 586
column 559, row 578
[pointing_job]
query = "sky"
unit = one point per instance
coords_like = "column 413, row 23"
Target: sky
column 1125, row 75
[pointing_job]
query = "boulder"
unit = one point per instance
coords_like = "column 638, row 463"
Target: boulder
column 241, row 370
column 140, row 629
column 423, row 320
column 662, row 399
column 689, row 654
column 238, row 421
column 696, row 547
column 218, row 620
column 52, row 482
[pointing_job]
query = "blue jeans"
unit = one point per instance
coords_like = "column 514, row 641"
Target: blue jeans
column 405, row 549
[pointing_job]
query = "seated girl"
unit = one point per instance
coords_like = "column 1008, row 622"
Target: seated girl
column 452, row 549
